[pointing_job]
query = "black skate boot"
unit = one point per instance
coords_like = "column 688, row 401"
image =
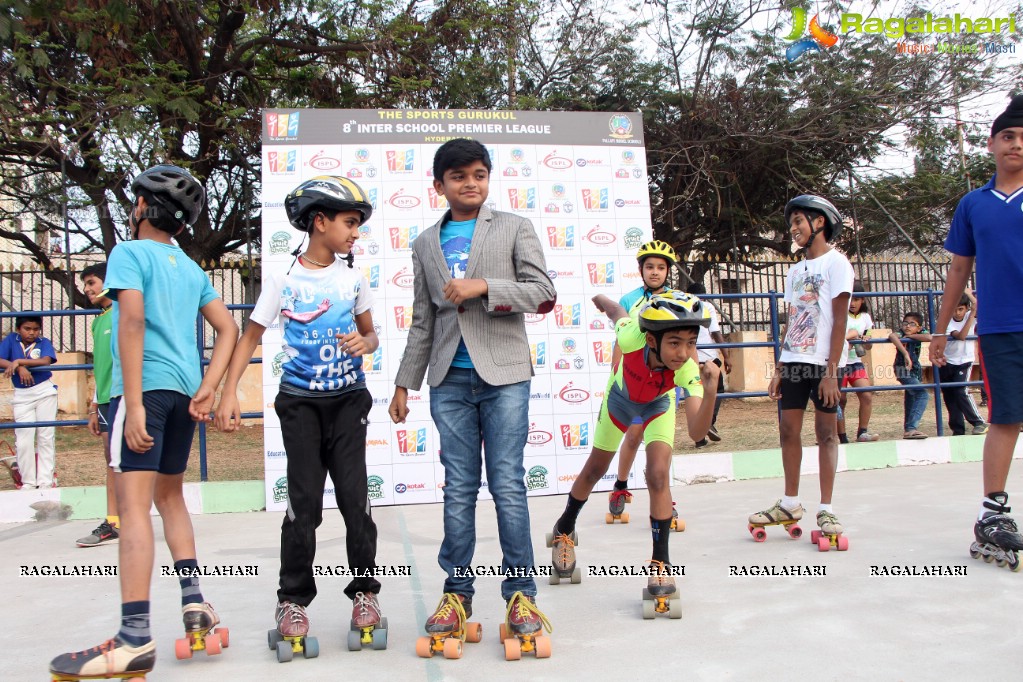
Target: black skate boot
column 998, row 538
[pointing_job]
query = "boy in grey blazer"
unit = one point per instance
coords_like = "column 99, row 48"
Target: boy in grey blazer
column 476, row 272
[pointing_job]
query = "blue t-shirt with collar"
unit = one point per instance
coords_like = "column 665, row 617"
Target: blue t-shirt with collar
column 988, row 226
column 173, row 288
column 11, row 348
column 455, row 242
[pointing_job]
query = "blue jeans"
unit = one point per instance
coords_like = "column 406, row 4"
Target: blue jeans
column 468, row 412
column 914, row 400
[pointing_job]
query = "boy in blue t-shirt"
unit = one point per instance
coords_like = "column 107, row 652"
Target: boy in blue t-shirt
column 35, row 399
column 325, row 311
column 909, row 372
column 987, row 228
column 157, row 392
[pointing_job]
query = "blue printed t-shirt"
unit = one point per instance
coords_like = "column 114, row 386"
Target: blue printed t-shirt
column 173, row 290
column 455, row 241
column 315, row 309
column 11, row 349
column 633, row 300
column 988, row 226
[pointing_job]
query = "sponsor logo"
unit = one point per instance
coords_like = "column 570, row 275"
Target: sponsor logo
column 579, row 362
column 595, row 198
column 374, row 362
column 568, row 345
column 575, row 435
column 412, row 442
column 633, row 238
column 600, row 237
column 375, row 485
column 583, row 163
column 622, row 173
column 523, row 199
column 401, row 160
column 602, row 352
column 271, row 454
column 538, row 354
column 403, row 317
column 535, row 318
column 321, row 162
column 403, row 278
column 282, row 126
column 622, row 203
column 568, row 316
column 538, row 436
column 628, row 156
column 562, row 364
column 402, row 237
column 596, row 324
column 405, row 487
column 556, row 162
column 403, row 201
column 355, row 173
column 280, row 489
column 276, row 367
column 620, row 126
column 510, row 172
column 818, row 37
column 437, row 201
column 372, row 274
column 372, row 197
column 517, row 155
column 362, row 155
column 571, row 394
column 281, row 162
column 558, row 191
column 601, row 274
column 536, row 478
column 376, row 442
column 561, row 236
column 539, row 396
column 280, row 242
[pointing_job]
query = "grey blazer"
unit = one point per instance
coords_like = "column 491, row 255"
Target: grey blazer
column 506, row 252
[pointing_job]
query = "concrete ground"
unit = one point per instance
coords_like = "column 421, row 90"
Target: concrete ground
column 847, row 624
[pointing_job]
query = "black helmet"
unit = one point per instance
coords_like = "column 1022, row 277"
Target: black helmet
column 177, row 185
column 832, row 218
column 326, row 191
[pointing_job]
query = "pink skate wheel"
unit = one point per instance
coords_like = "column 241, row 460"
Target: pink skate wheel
column 452, row 648
column 212, row 641
column 823, row 543
column 843, row 543
column 225, row 637
column 424, row 647
column 795, row 531
column 512, row 649
column 543, row 646
column 473, row 632
column 182, row 649
column 502, row 632
column 759, row 535
column 815, row 535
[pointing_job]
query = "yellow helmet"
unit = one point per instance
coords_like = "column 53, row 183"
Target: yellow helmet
column 659, row 249
column 673, row 310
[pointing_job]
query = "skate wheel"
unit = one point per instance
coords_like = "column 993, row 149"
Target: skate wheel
column 823, row 544
column 382, row 625
column 577, row 576
column 543, row 646
column 795, row 531
column 815, row 535
column 1015, row 565
column 310, row 647
column 674, row 609
column 213, row 643
column 284, row 652
column 679, row 525
column 625, row 517
column 424, row 647
column 554, row 578
column 473, row 633
column 452, row 647
column 609, row 518
column 355, row 640
column 502, row 632
column 225, row 637
column 974, row 553
column 182, row 649
column 759, row 535
column 843, row 543
column 512, row 649
column 550, row 539
column 379, row 638
column 272, row 637
column 649, row 609
column 988, row 558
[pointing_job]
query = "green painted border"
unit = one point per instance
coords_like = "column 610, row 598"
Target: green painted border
column 878, row 455
column 757, row 464
column 219, row 497
column 87, row 502
column 966, row 448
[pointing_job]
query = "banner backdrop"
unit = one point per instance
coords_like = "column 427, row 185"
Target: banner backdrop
column 579, row 177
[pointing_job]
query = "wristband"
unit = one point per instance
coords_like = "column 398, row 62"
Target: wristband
column 939, row 334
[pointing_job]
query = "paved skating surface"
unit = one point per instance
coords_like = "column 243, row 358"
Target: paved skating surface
column 847, row 624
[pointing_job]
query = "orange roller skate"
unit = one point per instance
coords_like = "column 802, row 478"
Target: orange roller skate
column 200, row 619
column 522, row 629
column 448, row 628
column 617, row 499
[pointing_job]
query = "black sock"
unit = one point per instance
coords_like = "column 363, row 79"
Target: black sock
column 135, row 623
column 566, row 524
column 860, row 432
column 621, row 485
column 842, row 438
column 188, row 578
column 660, row 530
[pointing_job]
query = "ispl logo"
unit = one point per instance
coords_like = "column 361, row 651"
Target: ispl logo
column 404, row 201
column 568, row 316
column 600, row 236
column 602, row 352
column 282, row 125
column 538, row 354
column 403, row 278
column 372, row 275
column 403, row 317
column 412, row 442
column 401, row 160
column 571, row 394
column 322, row 162
column 438, row 202
column 522, row 199
column 817, row 39
column 561, row 236
column 556, row 162
column 595, row 198
column 282, row 162
column 575, row 435
column 538, row 436
column 535, row 318
column 402, row 237
column 601, row 274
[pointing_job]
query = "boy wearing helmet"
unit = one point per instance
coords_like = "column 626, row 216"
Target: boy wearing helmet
column 658, row 354
column 157, row 392
column 655, row 258
column 323, row 403
column 987, row 229
column 817, row 290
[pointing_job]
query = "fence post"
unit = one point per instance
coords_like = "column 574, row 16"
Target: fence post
column 934, row 368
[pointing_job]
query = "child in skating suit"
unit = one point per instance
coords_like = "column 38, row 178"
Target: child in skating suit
column 324, row 306
column 817, row 291
column 987, row 229
column 658, row 355
column 157, row 393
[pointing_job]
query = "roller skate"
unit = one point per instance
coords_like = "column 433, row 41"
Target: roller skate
column 617, row 500
column 522, row 629
column 292, row 634
column 660, row 594
column 830, row 534
column 563, row 557
column 199, row 620
column 448, row 628
column 114, row 659
column 678, row 524
column 775, row 516
column 368, row 626
column 997, row 535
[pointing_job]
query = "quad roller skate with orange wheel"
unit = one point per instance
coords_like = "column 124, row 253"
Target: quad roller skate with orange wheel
column 522, row 629
column 292, row 633
column 368, row 626
column 830, row 534
column 448, row 628
column 776, row 516
column 617, row 500
column 660, row 595
column 200, row 619
column 114, row 659
column 678, row 524
column 563, row 564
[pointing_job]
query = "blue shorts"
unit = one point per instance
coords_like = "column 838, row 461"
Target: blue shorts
column 1001, row 357
column 169, row 424
column 103, row 412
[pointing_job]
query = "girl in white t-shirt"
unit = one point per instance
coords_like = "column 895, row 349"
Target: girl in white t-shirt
column 855, row 372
